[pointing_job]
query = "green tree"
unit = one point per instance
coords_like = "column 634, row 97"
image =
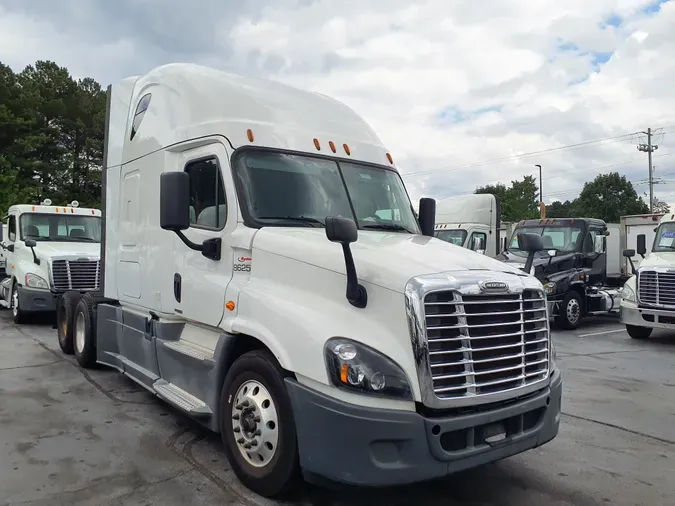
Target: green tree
column 559, row 209
column 51, row 136
column 517, row 201
column 608, row 197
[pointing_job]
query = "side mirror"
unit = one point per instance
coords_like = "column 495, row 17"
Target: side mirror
column 174, row 212
column 641, row 245
column 478, row 245
column 532, row 243
column 344, row 231
column 31, row 243
column 427, row 213
column 174, row 201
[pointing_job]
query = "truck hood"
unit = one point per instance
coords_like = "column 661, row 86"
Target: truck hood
column 386, row 259
column 49, row 250
column 660, row 259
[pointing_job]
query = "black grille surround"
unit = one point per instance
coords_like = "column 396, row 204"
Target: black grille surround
column 486, row 344
column 656, row 288
column 82, row 275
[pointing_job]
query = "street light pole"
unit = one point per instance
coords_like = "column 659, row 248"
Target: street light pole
column 541, row 192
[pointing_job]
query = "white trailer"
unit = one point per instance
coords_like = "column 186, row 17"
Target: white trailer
column 224, row 292
column 470, row 221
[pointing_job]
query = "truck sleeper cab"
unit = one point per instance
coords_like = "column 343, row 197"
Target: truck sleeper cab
column 48, row 250
column 264, row 273
column 647, row 302
column 572, row 267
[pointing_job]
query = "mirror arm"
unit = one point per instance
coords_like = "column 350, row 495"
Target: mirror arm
column 356, row 293
column 529, row 262
column 35, row 258
column 188, row 242
column 632, row 265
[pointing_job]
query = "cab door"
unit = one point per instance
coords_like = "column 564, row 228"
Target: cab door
column 595, row 255
column 199, row 283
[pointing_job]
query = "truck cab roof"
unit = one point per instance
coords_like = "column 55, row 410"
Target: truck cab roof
column 51, row 209
column 560, row 222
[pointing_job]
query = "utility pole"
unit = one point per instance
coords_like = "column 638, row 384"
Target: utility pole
column 649, row 148
column 542, row 209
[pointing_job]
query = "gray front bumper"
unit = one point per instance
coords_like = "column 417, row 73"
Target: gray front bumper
column 360, row 445
column 36, row 300
column 645, row 317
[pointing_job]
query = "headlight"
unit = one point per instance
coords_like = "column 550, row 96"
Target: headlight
column 360, row 369
column 35, row 281
column 550, row 288
column 628, row 294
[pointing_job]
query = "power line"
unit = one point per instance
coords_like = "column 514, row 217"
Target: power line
column 526, row 155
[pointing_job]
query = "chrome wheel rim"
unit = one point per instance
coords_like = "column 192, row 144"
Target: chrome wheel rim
column 255, row 423
column 79, row 332
column 573, row 310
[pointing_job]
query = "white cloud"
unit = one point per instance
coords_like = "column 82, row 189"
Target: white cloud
column 445, row 84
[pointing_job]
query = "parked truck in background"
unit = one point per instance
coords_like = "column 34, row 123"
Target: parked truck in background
column 263, row 272
column 648, row 298
column 48, row 250
column 574, row 266
column 3, row 256
column 633, row 226
column 471, row 221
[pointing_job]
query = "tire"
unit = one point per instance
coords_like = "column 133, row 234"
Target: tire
column 638, row 332
column 84, row 328
column 65, row 313
column 258, row 371
column 18, row 315
column 570, row 306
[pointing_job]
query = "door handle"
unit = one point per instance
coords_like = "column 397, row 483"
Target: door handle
column 177, row 287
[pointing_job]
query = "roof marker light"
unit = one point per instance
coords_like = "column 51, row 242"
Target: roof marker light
column 391, row 160
column 331, row 144
column 317, row 145
column 249, row 134
column 347, row 150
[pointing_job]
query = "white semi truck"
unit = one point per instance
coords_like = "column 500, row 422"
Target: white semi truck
column 48, row 250
column 648, row 298
column 264, row 272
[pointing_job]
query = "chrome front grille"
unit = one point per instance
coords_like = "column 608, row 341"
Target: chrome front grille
column 656, row 288
column 80, row 275
column 486, row 344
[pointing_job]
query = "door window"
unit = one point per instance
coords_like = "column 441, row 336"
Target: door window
column 11, row 228
column 208, row 206
column 478, row 241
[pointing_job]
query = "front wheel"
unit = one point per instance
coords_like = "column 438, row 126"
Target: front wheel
column 638, row 332
column 84, row 338
column 257, row 425
column 570, row 311
column 18, row 315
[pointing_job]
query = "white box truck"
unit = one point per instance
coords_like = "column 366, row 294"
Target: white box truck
column 48, row 250
column 263, row 272
column 633, row 226
column 470, row 221
column 648, row 298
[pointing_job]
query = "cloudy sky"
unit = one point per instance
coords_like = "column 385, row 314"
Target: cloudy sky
column 463, row 93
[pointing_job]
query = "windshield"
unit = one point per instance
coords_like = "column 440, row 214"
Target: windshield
column 60, row 227
column 665, row 237
column 455, row 236
column 291, row 190
column 554, row 237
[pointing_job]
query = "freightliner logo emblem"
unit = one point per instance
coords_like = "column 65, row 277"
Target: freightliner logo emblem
column 493, row 285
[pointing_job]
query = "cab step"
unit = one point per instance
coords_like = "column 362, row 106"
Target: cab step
column 179, row 398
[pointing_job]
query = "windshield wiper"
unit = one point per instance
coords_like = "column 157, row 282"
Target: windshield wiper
column 303, row 219
column 386, row 226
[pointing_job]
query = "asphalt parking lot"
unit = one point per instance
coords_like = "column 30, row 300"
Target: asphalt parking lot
column 75, row 437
